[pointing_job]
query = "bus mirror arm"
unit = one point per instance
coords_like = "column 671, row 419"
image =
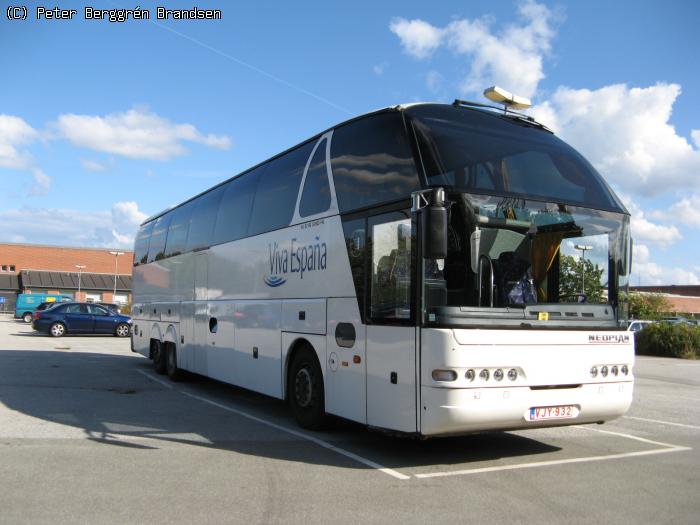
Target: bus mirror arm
column 434, row 239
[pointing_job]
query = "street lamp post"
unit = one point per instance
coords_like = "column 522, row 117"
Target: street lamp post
column 116, row 259
column 584, row 248
column 80, row 268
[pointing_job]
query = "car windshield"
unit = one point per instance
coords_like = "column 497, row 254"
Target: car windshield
column 512, row 259
column 482, row 152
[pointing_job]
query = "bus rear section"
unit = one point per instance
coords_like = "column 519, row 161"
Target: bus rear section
column 473, row 380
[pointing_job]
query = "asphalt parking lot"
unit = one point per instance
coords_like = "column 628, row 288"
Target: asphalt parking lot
column 89, row 434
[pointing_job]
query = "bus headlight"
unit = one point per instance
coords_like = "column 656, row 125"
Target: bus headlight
column 444, row 375
column 604, row 371
column 512, row 374
column 470, row 374
column 594, row 371
column 625, row 370
column 613, row 370
column 484, row 375
column 498, row 374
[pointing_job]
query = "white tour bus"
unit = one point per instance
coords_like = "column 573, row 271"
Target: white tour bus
column 404, row 269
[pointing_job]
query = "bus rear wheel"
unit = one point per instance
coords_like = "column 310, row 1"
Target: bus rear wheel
column 174, row 373
column 159, row 358
column 27, row 317
column 305, row 390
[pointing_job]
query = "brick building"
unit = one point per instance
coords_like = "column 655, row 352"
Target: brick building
column 683, row 299
column 101, row 274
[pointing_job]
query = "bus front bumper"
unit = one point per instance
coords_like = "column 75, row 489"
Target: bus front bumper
column 447, row 411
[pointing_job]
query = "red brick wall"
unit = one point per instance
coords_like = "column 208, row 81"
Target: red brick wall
column 53, row 258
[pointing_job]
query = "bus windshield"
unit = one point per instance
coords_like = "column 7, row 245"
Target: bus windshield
column 511, row 260
column 483, row 152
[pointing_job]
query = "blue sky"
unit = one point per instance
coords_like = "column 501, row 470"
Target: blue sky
column 102, row 124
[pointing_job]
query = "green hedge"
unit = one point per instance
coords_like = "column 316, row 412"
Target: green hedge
column 669, row 340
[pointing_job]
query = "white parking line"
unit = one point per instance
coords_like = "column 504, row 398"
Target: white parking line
column 549, row 463
column 660, row 422
column 296, row 433
column 157, row 379
column 667, row 447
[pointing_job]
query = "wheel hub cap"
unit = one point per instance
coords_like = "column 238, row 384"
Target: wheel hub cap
column 303, row 388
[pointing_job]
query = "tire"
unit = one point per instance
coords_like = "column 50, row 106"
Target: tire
column 57, row 330
column 27, row 317
column 174, row 373
column 305, row 390
column 159, row 360
column 122, row 330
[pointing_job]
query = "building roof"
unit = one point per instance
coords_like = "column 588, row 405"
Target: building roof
column 689, row 290
column 9, row 282
column 69, row 280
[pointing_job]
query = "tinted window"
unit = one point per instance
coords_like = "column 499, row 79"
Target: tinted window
column 97, row 310
column 177, row 232
column 372, row 162
column 234, row 211
column 203, row 218
column 355, row 243
column 392, row 260
column 316, row 196
column 156, row 249
column 475, row 151
column 141, row 245
column 277, row 191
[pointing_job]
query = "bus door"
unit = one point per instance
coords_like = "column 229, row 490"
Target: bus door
column 346, row 367
column 391, row 327
column 202, row 322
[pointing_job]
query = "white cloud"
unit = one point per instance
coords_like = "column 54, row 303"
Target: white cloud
column 645, row 230
column 512, row 57
column 418, row 38
column 15, row 132
column 696, row 137
column 136, row 133
column 648, row 273
column 126, row 215
column 92, row 165
column 42, row 183
column 625, row 132
column 114, row 228
column 685, row 211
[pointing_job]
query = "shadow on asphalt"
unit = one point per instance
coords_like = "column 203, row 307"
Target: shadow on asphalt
column 110, row 399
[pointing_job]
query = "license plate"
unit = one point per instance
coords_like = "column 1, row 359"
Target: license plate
column 558, row 412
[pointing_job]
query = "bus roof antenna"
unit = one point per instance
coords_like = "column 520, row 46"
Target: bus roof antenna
column 508, row 99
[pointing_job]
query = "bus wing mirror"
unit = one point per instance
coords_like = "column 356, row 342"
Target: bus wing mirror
column 434, row 237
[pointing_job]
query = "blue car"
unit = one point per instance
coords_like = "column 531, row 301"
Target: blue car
column 81, row 318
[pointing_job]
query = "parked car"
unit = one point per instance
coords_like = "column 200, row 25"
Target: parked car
column 28, row 302
column 678, row 320
column 81, row 318
column 114, row 307
column 637, row 325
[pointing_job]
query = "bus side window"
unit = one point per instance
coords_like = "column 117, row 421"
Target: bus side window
column 316, row 197
column 177, row 233
column 355, row 241
column 277, row 191
column 392, row 255
column 143, row 238
column 203, row 218
column 234, row 211
column 372, row 162
column 156, row 250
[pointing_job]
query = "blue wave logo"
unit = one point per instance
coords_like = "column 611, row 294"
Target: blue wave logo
column 274, row 281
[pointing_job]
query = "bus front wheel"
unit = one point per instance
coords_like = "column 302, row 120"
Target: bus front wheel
column 305, row 390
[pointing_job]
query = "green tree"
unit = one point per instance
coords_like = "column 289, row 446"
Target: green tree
column 648, row 305
column 570, row 269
